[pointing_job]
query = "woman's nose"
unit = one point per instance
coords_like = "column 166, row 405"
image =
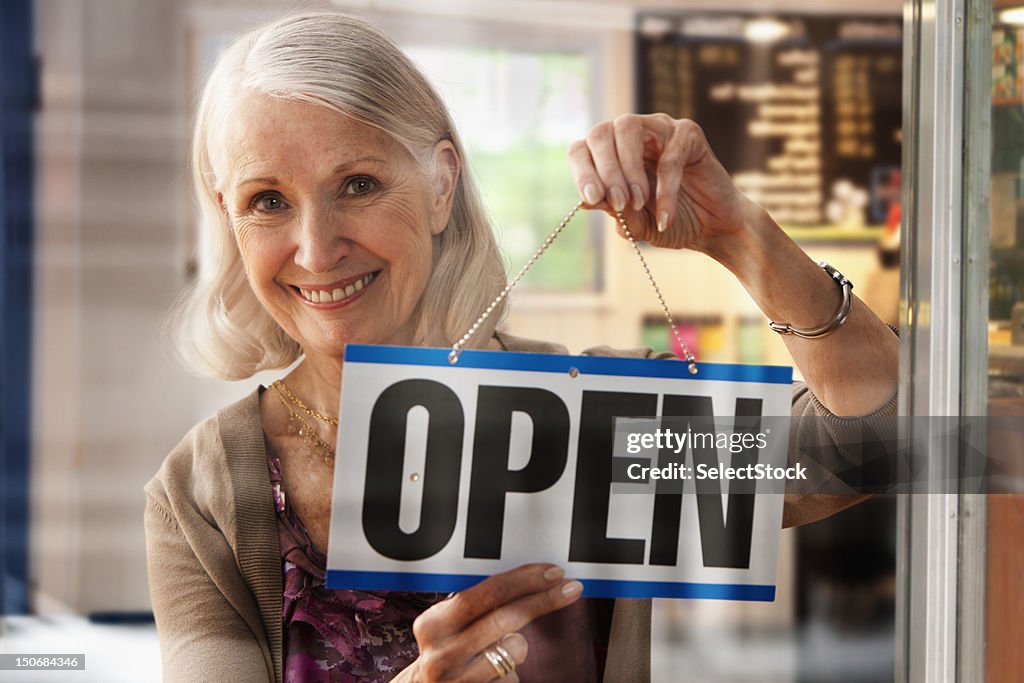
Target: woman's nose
column 321, row 241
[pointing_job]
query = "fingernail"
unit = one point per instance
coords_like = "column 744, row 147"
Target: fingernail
column 591, row 194
column 638, row 197
column 554, row 573
column 663, row 221
column 572, row 589
column 618, row 198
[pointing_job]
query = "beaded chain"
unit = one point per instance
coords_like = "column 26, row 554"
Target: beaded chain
column 453, row 355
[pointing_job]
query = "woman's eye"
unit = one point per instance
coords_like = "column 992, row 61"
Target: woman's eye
column 268, row 202
column 361, row 185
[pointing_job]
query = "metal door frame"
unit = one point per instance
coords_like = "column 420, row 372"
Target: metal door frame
column 941, row 534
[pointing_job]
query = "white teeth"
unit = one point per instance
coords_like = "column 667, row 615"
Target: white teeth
column 323, row 296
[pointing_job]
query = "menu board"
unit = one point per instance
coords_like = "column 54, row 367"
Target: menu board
column 804, row 112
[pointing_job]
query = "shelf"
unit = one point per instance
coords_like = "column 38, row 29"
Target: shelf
column 830, row 233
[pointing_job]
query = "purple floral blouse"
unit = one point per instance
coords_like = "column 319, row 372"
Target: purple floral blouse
column 350, row 635
column 338, row 635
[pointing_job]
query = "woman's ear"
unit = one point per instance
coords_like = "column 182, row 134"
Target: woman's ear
column 447, row 165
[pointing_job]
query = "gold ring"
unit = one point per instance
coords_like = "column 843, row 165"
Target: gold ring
column 500, row 659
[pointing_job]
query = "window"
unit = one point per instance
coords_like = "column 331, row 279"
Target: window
column 517, row 112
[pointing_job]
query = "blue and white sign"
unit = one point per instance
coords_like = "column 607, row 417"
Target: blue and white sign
column 447, row 474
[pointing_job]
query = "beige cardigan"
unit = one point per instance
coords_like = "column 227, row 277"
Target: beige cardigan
column 215, row 573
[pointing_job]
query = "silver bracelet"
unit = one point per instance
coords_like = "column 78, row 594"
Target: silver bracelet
column 832, row 325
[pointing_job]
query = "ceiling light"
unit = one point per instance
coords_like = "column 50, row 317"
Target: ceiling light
column 765, row 30
column 1013, row 16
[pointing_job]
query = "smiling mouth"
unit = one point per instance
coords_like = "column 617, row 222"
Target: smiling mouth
column 327, row 296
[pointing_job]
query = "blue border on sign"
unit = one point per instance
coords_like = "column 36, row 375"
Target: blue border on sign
column 592, row 588
column 549, row 362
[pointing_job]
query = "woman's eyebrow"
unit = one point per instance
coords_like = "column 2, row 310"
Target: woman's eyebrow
column 265, row 180
column 339, row 169
column 347, row 165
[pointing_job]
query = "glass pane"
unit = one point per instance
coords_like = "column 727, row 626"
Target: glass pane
column 114, row 231
column 1005, row 512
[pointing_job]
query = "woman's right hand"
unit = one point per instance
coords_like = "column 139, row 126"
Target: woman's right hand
column 662, row 174
column 453, row 634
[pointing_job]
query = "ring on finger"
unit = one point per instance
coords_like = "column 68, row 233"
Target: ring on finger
column 500, row 659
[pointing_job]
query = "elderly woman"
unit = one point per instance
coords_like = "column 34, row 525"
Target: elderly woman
column 337, row 208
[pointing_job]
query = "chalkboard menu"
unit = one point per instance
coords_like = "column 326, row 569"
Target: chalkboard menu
column 804, row 111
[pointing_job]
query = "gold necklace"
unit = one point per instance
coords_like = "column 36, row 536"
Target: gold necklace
column 281, row 386
column 298, row 425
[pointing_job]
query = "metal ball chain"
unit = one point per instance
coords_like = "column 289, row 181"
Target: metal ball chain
column 453, row 355
column 691, row 361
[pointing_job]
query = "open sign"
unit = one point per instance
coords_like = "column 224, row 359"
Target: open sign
column 447, row 474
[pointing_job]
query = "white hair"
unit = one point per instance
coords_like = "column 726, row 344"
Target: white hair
column 333, row 60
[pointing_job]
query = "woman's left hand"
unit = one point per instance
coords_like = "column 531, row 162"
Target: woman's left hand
column 661, row 173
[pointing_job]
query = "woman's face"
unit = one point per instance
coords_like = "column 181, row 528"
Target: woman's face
column 333, row 219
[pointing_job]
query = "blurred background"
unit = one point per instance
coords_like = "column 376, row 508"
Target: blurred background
column 801, row 99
